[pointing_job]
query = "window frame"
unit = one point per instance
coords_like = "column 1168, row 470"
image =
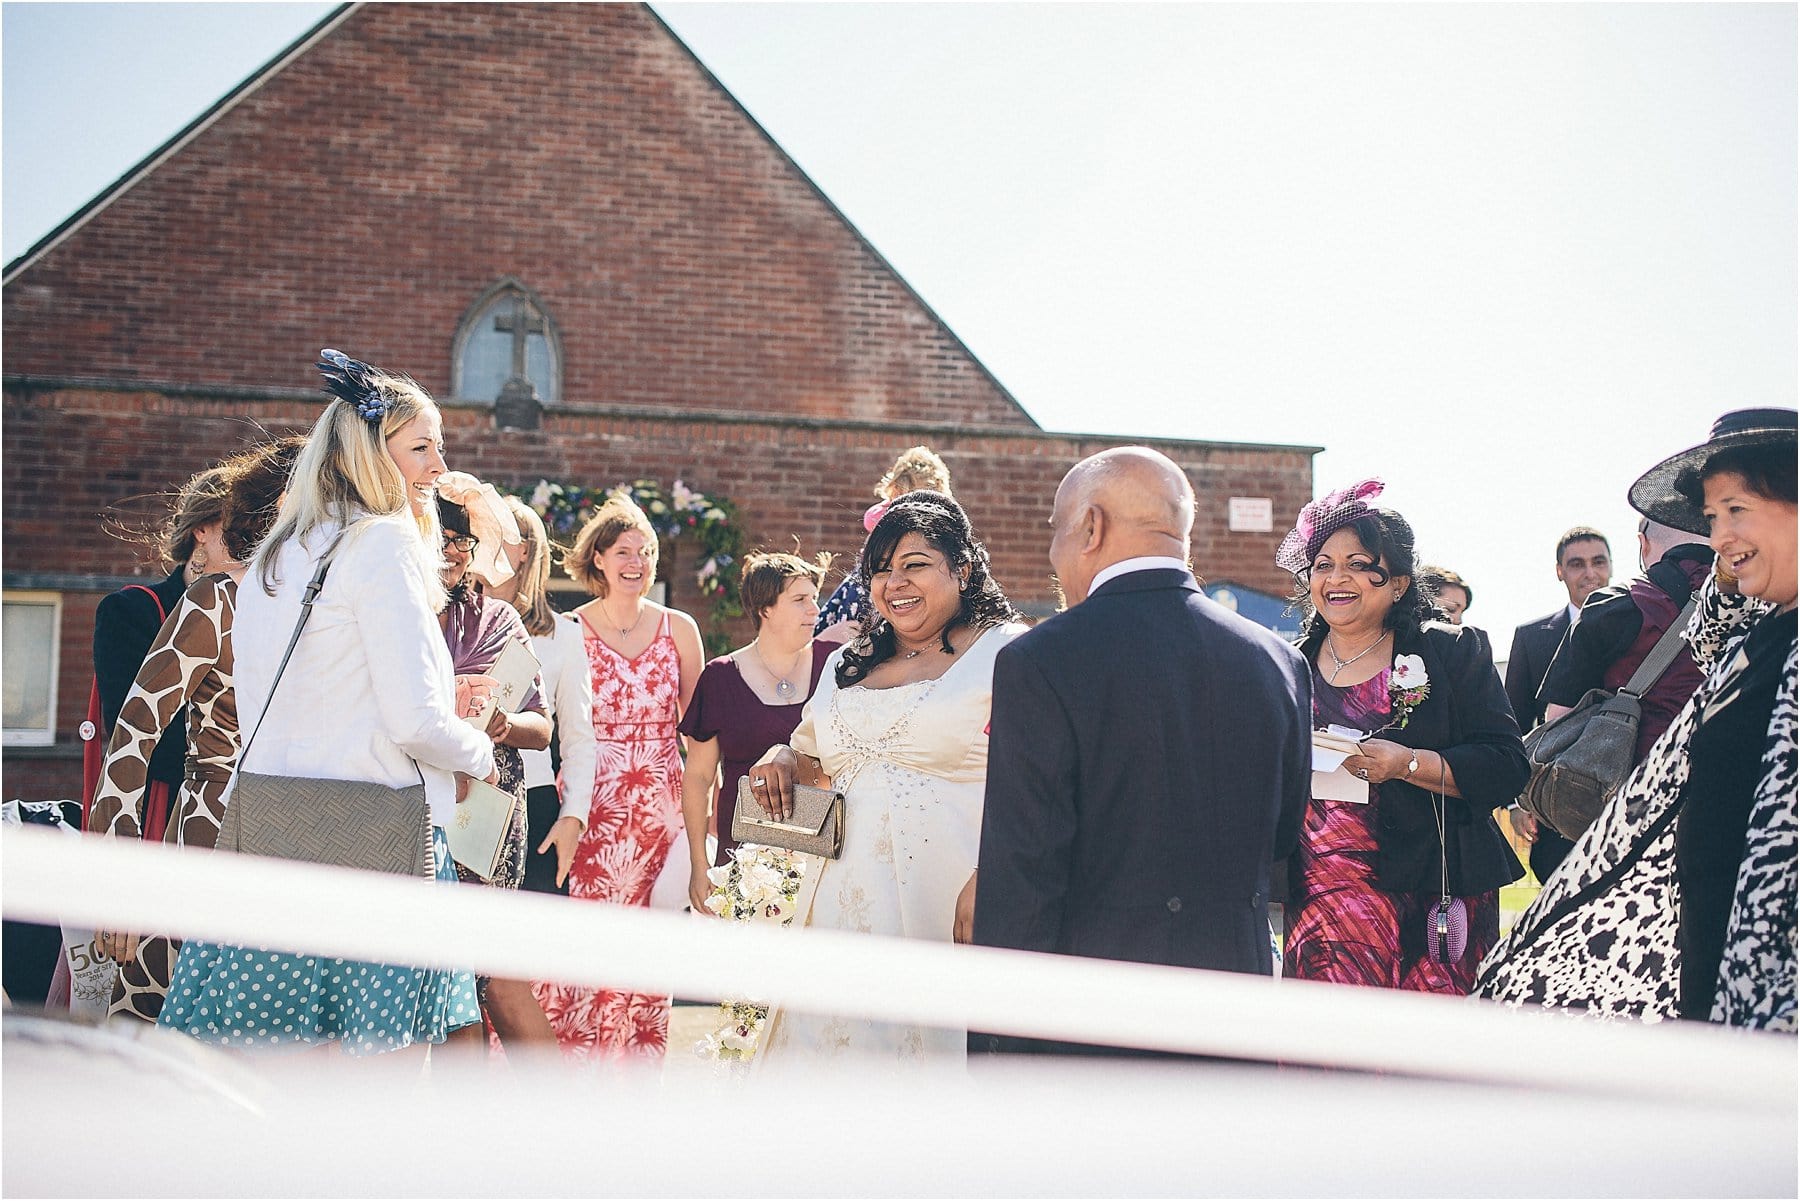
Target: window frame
column 40, row 736
column 466, row 328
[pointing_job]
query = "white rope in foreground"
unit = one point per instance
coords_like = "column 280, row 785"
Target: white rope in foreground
column 88, row 881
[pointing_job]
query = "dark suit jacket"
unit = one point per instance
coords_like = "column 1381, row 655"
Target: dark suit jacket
column 1150, row 756
column 125, row 624
column 1465, row 718
column 1533, row 647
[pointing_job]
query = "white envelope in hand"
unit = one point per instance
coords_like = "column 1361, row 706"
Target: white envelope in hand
column 512, row 674
column 478, row 831
column 1330, row 780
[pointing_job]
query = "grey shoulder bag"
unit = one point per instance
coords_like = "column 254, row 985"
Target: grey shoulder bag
column 1579, row 760
column 348, row 823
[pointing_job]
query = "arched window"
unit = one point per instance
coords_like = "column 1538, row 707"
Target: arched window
column 507, row 327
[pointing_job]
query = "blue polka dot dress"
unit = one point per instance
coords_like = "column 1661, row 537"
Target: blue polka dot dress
column 245, row 997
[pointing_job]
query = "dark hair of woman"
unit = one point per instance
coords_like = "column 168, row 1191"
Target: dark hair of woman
column 254, row 482
column 1767, row 470
column 455, row 520
column 1386, row 535
column 943, row 524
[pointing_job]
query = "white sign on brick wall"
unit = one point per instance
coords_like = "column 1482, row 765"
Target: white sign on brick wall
column 1252, row 514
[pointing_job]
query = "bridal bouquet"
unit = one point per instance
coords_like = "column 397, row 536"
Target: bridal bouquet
column 758, row 884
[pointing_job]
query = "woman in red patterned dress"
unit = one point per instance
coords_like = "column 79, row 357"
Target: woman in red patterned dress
column 645, row 659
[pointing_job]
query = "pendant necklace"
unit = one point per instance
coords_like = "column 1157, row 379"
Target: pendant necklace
column 784, row 688
column 624, row 631
column 1331, row 649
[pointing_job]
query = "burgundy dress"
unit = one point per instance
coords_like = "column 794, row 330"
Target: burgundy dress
column 725, row 707
column 1342, row 927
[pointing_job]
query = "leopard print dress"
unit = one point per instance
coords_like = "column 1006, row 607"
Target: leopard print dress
column 1601, row 937
column 189, row 664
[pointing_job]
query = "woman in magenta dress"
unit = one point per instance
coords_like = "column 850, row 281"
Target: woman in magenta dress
column 1442, row 752
column 749, row 700
column 645, row 660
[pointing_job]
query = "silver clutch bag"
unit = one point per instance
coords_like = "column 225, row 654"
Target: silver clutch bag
column 817, row 827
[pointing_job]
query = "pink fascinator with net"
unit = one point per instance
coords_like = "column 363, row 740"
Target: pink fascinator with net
column 1322, row 518
column 492, row 523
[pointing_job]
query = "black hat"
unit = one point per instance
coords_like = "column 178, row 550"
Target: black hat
column 1657, row 494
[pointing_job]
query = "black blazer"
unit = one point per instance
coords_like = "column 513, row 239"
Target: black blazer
column 1150, row 755
column 125, row 624
column 1466, row 718
column 1533, row 646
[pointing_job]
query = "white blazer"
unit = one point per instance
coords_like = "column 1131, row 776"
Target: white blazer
column 369, row 688
column 569, row 699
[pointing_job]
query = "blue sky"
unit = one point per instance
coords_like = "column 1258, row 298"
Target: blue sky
column 1504, row 255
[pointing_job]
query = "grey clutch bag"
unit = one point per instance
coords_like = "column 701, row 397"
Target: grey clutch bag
column 817, row 827
column 350, row 823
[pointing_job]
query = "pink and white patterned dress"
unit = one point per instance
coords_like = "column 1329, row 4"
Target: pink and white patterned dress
column 634, row 819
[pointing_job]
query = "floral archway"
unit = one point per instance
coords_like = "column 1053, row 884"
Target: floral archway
column 680, row 514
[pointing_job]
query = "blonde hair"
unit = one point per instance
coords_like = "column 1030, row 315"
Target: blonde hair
column 766, row 576
column 608, row 524
column 916, row 468
column 532, row 600
column 345, row 474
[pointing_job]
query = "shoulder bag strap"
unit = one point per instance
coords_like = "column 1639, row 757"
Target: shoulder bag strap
column 306, row 603
column 1662, row 654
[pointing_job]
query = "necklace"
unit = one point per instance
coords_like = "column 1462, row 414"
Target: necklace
column 1341, row 664
column 624, row 631
column 784, row 687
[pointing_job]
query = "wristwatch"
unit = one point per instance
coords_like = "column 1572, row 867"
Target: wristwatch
column 1412, row 765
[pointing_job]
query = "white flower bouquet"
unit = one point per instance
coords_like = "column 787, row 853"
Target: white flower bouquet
column 757, row 884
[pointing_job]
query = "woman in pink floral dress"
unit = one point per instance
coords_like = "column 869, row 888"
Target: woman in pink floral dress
column 644, row 659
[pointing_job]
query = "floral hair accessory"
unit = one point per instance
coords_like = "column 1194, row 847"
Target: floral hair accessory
column 873, row 513
column 492, row 523
column 353, row 381
column 1322, row 518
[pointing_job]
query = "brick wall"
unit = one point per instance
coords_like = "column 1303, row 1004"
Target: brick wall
column 720, row 321
column 368, row 191
column 792, row 479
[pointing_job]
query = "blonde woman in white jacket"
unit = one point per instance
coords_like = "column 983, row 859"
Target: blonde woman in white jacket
column 367, row 694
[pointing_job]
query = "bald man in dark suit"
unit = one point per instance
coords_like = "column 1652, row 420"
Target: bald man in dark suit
column 1150, row 752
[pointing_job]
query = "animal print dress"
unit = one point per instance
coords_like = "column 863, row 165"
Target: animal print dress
column 1602, row 936
column 188, row 664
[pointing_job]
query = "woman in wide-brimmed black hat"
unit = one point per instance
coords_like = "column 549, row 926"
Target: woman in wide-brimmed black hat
column 1680, row 900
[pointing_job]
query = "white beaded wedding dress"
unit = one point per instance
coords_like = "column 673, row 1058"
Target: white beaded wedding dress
column 911, row 762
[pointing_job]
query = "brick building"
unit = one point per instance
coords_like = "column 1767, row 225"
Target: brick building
column 408, row 182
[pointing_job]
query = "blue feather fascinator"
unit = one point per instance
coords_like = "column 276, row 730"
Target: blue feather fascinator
column 356, row 382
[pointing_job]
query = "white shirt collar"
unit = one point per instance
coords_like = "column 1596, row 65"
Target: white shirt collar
column 1574, row 613
column 1141, row 563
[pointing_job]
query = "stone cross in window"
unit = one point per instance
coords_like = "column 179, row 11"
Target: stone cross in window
column 517, row 406
column 521, row 323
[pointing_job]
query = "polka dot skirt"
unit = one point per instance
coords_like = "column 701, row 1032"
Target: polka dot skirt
column 245, row 997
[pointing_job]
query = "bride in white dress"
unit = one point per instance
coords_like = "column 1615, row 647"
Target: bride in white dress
column 899, row 726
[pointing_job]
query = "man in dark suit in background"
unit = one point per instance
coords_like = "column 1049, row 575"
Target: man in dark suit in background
column 1150, row 752
column 1584, row 565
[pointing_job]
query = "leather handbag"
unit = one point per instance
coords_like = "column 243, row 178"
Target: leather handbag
column 816, row 828
column 1579, row 760
column 346, row 823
